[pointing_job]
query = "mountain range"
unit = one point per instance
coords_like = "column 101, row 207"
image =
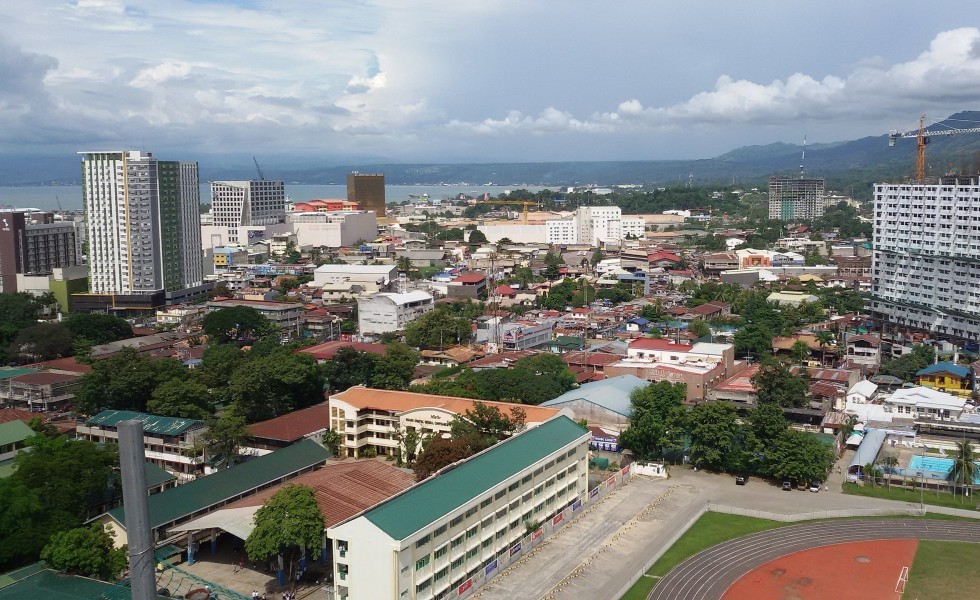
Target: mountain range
column 849, row 166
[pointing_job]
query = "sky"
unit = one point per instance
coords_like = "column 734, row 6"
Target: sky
column 340, row 81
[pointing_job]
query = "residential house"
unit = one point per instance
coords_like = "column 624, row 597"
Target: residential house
column 947, row 377
column 711, row 310
column 387, row 312
column 863, row 350
column 924, row 403
column 700, row 366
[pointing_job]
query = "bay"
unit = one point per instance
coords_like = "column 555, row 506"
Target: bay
column 70, row 196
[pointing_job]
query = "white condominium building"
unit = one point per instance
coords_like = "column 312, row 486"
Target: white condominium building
column 926, row 261
column 595, row 225
column 445, row 536
column 247, row 203
column 388, row 312
column 143, row 223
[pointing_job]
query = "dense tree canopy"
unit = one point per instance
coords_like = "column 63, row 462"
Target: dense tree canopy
column 657, row 423
column 182, row 398
column 18, row 312
column 43, row 341
column 778, row 385
column 712, row 427
column 906, row 366
column 441, row 452
column 236, row 324
column 124, row 381
column 86, row 551
column 269, row 386
column 531, row 380
column 288, row 521
column 438, row 328
column 98, row 328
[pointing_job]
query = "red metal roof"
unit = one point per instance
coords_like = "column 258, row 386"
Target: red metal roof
column 45, row 378
column 293, row 426
column 328, row 350
column 654, row 344
column 470, row 278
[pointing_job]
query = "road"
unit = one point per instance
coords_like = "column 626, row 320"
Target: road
column 708, row 574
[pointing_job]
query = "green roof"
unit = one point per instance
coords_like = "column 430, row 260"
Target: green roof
column 170, row 505
column 430, row 500
column 38, row 581
column 8, row 372
column 151, row 423
column 13, row 432
column 156, row 475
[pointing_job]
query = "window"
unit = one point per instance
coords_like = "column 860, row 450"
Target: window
column 456, row 521
column 486, row 543
column 420, row 563
column 500, row 494
column 487, row 522
column 515, row 523
column 526, row 480
column 486, row 503
column 456, row 563
column 441, row 573
column 471, row 532
column 423, row 541
column 440, row 552
column 471, row 512
column 471, row 553
column 441, row 530
column 423, row 586
column 513, row 486
column 456, row 543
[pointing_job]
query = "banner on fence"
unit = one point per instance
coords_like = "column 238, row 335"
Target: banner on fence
column 576, row 505
column 625, row 471
column 537, row 534
column 558, row 519
column 464, row 587
column 594, row 493
column 515, row 548
column 611, row 481
column 491, row 568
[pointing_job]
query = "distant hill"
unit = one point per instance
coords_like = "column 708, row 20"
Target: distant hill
column 850, row 166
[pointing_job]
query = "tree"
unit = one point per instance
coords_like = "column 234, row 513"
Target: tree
column 404, row 264
column 597, row 257
column 18, row 311
column 182, row 398
column 236, row 324
column 396, row 369
column 699, row 328
column 437, row 329
column 553, row 262
column 441, row 452
column 799, row 352
column 410, row 442
column 287, row 524
column 477, row 237
column 825, row 338
column 331, row 441
column 273, row 385
column 712, row 427
column 653, row 312
column 656, row 424
column 487, row 421
column 86, row 551
column 43, row 341
column 226, row 434
column 753, row 339
column 218, row 364
column 124, row 381
column 349, row 367
column 98, row 328
column 906, row 366
column 777, row 384
column 800, row 456
column 964, row 471
column 889, row 462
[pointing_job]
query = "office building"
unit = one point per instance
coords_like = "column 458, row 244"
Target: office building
column 237, row 204
column 33, row 243
column 926, row 259
column 387, row 312
column 367, row 191
column 445, row 536
column 144, row 225
column 795, row 198
column 333, row 229
column 594, row 225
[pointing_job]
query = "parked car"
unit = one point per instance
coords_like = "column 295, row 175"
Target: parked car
column 787, row 486
column 741, row 480
column 814, row 486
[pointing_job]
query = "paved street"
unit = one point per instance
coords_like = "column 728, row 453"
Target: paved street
column 596, row 554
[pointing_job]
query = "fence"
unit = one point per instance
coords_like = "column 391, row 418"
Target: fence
column 911, row 510
column 526, row 545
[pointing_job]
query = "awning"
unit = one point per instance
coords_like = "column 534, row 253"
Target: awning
column 236, row 521
column 854, row 440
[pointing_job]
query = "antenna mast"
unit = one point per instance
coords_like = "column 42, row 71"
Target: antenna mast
column 803, row 157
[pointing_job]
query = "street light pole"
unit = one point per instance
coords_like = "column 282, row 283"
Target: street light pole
column 921, row 484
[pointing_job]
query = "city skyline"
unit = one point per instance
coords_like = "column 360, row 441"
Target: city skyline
column 471, row 81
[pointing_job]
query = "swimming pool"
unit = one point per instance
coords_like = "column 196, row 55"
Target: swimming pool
column 933, row 467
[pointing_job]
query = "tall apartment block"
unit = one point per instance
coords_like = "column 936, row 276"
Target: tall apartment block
column 368, row 191
column 237, row 204
column 594, row 225
column 926, row 260
column 792, row 199
column 144, row 225
column 34, row 244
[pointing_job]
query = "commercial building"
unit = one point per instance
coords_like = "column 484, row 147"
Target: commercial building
column 144, row 226
column 926, row 259
column 796, row 198
column 327, row 205
column 594, row 225
column 247, row 203
column 367, row 191
column 700, row 366
column 333, row 229
column 169, row 442
column 40, row 391
column 34, row 244
column 368, row 418
column 368, row 278
column 388, row 312
column 445, row 534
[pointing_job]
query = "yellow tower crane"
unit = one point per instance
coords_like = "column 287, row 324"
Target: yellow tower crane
column 921, row 139
column 524, row 203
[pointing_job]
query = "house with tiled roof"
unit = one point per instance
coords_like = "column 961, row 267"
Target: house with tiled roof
column 288, row 429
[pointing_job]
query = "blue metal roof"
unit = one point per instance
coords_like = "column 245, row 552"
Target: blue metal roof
column 945, row 367
column 612, row 394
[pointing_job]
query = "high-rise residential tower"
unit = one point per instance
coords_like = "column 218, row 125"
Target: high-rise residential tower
column 926, row 260
column 144, row 223
column 237, row 204
column 33, row 243
column 368, row 191
column 794, row 198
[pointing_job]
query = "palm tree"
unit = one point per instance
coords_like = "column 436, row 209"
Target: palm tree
column 405, row 265
column 824, row 338
column 889, row 463
column 800, row 351
column 872, row 471
column 964, row 471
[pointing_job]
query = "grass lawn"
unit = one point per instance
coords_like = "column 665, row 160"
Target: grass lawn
column 904, row 495
column 709, row 530
column 943, row 570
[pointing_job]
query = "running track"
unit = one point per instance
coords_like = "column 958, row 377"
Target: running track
column 706, row 575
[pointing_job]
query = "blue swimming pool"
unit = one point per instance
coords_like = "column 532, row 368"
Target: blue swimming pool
column 933, row 467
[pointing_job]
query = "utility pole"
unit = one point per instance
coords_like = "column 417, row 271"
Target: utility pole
column 131, row 461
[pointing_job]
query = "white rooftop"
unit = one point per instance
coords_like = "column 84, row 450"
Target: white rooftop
column 708, row 348
column 926, row 398
column 864, row 387
column 379, row 269
column 407, row 297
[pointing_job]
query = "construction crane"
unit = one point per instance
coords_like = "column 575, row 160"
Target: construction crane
column 921, row 139
column 524, row 203
column 259, row 169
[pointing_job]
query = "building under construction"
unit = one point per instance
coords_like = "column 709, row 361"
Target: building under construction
column 795, row 198
column 368, row 191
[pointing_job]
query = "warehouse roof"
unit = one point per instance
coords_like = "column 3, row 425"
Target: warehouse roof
column 293, row 426
column 612, row 394
column 38, row 581
column 151, row 423
column 230, row 484
column 438, row 496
